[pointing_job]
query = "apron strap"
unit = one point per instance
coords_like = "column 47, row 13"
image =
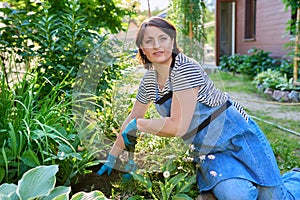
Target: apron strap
column 164, row 98
column 206, row 122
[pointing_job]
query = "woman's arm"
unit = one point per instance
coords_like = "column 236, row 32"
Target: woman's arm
column 138, row 111
column 182, row 110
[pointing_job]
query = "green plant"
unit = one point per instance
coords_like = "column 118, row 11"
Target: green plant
column 257, row 61
column 59, row 36
column 39, row 183
column 286, row 67
column 38, row 126
column 274, row 80
column 189, row 17
column 173, row 186
column 38, row 130
column 232, row 63
column 293, row 5
column 286, row 84
column 267, row 79
column 63, row 42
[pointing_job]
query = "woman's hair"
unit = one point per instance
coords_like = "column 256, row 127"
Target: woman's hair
column 163, row 25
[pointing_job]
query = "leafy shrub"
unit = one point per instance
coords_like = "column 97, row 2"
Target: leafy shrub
column 255, row 62
column 232, row 63
column 274, row 80
column 59, row 39
column 258, row 61
column 286, row 67
column 267, row 79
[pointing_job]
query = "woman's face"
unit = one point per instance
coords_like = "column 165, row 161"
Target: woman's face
column 157, row 46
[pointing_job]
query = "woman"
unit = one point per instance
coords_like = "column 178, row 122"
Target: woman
column 226, row 141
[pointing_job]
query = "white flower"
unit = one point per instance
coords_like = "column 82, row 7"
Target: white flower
column 211, row 157
column 213, row 173
column 166, row 174
column 202, row 157
column 188, row 159
column 192, row 147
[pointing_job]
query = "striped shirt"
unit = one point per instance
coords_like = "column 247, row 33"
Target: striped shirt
column 185, row 74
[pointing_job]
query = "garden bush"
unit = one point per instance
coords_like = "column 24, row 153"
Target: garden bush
column 255, row 62
column 274, row 80
column 57, row 38
column 266, row 72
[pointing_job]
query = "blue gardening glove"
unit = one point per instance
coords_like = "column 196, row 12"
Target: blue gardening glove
column 129, row 133
column 129, row 167
column 108, row 166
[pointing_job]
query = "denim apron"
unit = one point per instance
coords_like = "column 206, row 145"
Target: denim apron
column 229, row 146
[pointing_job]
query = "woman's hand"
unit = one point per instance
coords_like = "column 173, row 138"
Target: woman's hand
column 108, row 166
column 129, row 131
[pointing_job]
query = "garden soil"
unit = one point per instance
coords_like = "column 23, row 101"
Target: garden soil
column 92, row 181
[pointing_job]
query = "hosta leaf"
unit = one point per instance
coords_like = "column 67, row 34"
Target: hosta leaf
column 37, row 182
column 4, row 197
column 95, row 195
column 8, row 189
column 58, row 193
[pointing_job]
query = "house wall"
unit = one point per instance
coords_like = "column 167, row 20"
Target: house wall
column 271, row 34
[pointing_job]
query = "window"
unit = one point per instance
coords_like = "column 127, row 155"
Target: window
column 250, row 19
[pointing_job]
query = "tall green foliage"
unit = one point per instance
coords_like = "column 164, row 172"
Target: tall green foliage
column 36, row 131
column 100, row 14
column 38, row 124
column 64, row 41
column 59, row 35
column 188, row 15
column 293, row 5
column 291, row 25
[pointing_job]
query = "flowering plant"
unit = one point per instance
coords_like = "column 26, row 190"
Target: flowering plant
column 173, row 184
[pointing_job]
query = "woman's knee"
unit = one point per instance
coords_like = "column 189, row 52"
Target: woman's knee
column 235, row 189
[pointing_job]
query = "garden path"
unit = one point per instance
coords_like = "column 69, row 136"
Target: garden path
column 256, row 103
